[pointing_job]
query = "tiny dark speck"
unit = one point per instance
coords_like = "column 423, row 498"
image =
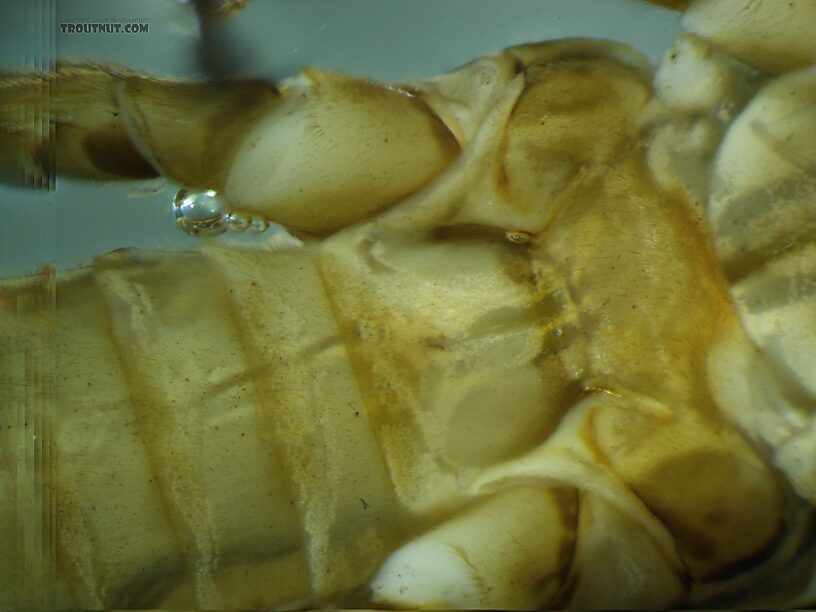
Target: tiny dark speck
column 365, row 503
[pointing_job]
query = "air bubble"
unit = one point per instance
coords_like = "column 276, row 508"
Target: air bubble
column 238, row 222
column 204, row 213
column 258, row 225
column 200, row 213
column 517, row 237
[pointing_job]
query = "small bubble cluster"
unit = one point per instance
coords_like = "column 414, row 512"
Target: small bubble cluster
column 204, row 213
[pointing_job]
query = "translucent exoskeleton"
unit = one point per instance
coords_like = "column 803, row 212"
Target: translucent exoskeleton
column 542, row 333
